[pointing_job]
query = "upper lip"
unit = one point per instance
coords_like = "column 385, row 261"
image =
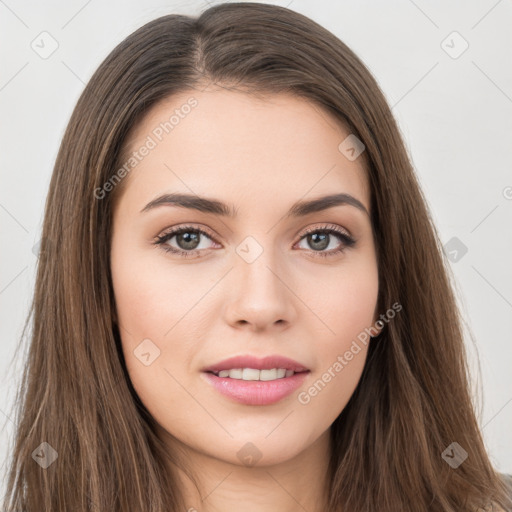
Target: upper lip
column 266, row 363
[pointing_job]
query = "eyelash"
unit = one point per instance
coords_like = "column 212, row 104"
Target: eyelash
column 347, row 241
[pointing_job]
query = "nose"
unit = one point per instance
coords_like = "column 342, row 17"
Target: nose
column 260, row 297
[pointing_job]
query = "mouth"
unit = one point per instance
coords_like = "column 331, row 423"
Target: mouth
column 255, row 374
column 252, row 381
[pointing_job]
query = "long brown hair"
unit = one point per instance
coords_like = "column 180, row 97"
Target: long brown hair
column 413, row 399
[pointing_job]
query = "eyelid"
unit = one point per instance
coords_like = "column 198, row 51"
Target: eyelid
column 192, row 227
column 326, row 227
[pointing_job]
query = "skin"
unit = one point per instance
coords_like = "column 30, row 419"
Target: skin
column 261, row 156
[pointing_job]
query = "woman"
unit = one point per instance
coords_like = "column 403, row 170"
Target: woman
column 236, row 274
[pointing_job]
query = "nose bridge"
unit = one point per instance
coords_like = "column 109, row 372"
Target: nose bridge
column 259, row 276
column 256, row 264
column 260, row 296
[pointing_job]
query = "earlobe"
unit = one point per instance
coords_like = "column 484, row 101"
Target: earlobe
column 376, row 328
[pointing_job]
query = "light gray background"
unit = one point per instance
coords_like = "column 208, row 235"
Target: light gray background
column 454, row 114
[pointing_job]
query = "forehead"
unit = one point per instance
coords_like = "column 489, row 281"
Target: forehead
column 242, row 148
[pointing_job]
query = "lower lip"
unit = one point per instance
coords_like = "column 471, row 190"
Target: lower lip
column 256, row 392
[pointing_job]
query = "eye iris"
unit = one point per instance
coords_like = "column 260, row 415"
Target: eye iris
column 322, row 238
column 187, row 240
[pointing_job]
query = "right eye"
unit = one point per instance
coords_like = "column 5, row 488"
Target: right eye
column 188, row 239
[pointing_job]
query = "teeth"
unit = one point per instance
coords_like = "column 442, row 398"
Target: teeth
column 268, row 374
column 250, row 374
column 253, row 374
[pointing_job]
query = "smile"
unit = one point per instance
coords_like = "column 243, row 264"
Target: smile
column 255, row 374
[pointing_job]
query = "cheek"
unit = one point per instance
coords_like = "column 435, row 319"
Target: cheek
column 149, row 311
column 151, row 299
column 158, row 335
column 344, row 299
column 341, row 359
column 347, row 308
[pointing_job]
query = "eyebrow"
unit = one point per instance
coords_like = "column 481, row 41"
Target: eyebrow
column 216, row 207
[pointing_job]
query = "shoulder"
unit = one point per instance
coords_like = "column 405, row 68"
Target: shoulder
column 495, row 507
column 507, row 480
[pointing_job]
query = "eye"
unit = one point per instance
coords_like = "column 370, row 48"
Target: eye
column 188, row 239
column 321, row 238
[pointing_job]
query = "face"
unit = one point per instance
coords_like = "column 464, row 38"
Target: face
column 262, row 277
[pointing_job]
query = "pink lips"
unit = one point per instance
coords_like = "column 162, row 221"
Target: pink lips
column 256, row 392
column 267, row 363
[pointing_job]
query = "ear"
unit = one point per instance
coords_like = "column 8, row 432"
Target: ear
column 377, row 325
column 376, row 328
column 382, row 319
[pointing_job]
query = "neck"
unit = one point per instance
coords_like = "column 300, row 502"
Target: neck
column 298, row 483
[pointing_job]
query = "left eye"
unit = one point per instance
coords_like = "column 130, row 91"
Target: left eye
column 320, row 240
